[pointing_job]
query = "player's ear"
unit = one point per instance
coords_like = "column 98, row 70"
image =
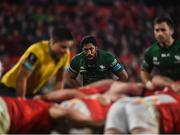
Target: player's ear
column 172, row 31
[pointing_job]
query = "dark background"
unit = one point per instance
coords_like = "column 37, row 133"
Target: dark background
column 122, row 27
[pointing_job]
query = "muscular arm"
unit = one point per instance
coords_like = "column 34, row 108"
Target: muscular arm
column 60, row 95
column 72, row 72
column 160, row 81
column 71, row 79
column 147, row 79
column 106, row 82
column 21, row 82
column 59, row 80
column 123, row 76
column 25, row 71
column 147, row 66
column 65, row 94
column 117, row 68
column 97, row 87
column 126, row 88
column 145, row 76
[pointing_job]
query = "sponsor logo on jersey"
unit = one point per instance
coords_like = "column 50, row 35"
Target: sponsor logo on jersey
column 165, row 55
column 177, row 57
column 91, row 66
column 155, row 61
column 102, row 67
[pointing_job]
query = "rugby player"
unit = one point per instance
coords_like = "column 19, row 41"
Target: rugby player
column 93, row 64
column 163, row 55
column 155, row 114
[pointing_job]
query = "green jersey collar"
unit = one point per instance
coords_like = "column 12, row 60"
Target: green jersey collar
column 166, row 48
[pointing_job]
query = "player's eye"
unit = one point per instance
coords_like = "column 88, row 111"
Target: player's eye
column 85, row 50
column 91, row 49
column 163, row 30
column 64, row 46
column 157, row 30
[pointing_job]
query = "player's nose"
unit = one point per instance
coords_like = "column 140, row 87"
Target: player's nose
column 89, row 52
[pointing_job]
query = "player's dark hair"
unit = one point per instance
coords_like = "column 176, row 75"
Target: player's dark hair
column 164, row 18
column 59, row 33
column 88, row 39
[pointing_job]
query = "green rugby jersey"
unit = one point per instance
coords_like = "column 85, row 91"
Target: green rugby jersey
column 165, row 60
column 105, row 65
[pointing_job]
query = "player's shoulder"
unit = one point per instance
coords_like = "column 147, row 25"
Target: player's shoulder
column 177, row 44
column 153, row 48
column 106, row 57
column 78, row 56
column 105, row 53
column 40, row 49
column 39, row 45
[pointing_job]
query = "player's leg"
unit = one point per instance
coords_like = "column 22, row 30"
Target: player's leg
column 142, row 114
column 116, row 122
column 131, row 117
column 142, row 118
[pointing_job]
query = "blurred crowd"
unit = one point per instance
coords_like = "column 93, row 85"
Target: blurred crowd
column 123, row 28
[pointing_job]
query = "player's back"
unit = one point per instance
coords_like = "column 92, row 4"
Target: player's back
column 28, row 115
column 169, row 113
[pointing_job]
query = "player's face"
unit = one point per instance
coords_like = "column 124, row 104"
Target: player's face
column 61, row 47
column 90, row 51
column 162, row 32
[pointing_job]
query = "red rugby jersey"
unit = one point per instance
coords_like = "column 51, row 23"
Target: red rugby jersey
column 28, row 115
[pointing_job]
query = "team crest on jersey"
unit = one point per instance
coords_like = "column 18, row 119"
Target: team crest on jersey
column 114, row 63
column 155, row 59
column 82, row 69
column 102, row 67
column 177, row 57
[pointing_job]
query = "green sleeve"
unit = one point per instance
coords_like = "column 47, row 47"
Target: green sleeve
column 74, row 64
column 147, row 62
column 115, row 66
